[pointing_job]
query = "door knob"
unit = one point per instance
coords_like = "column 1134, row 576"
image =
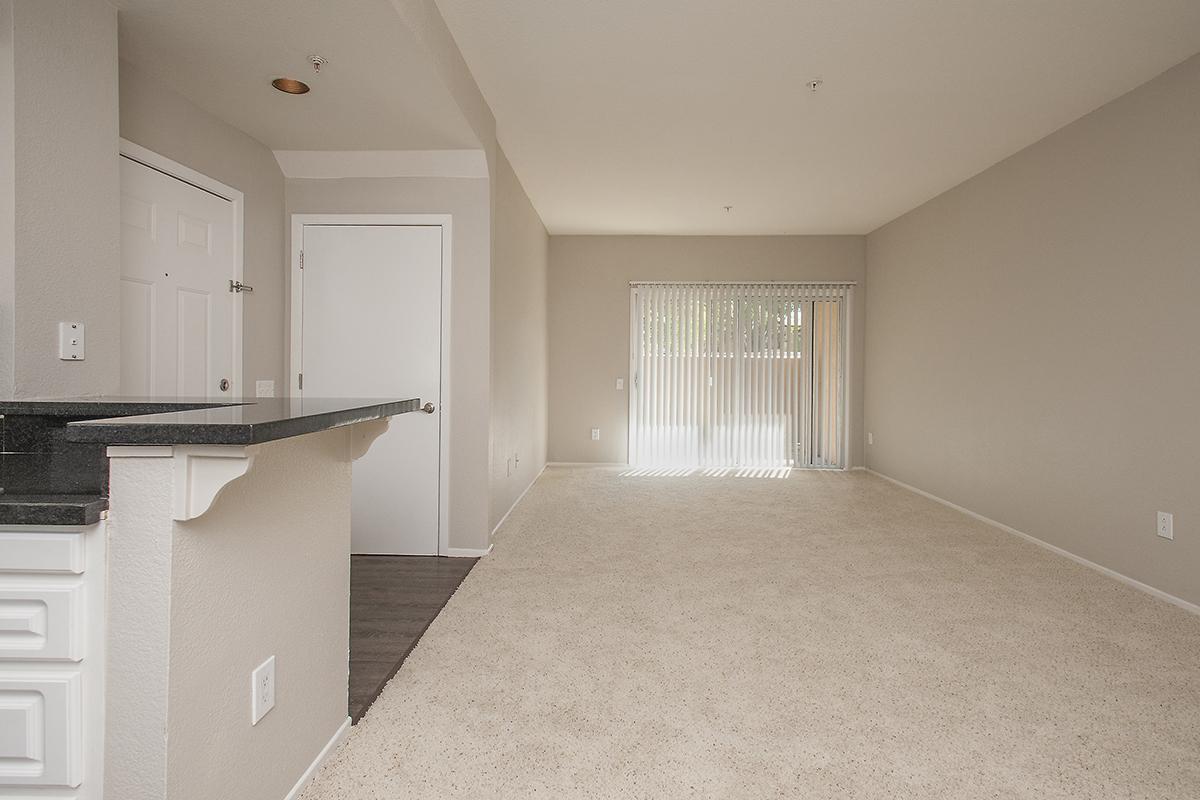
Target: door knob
column 223, row 385
column 429, row 408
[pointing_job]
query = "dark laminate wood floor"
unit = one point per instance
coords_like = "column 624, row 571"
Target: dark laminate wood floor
column 392, row 601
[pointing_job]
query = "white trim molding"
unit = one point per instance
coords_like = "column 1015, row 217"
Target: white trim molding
column 1111, row 573
column 586, row 464
column 148, row 158
column 466, row 552
column 321, row 758
column 516, row 502
column 329, row 164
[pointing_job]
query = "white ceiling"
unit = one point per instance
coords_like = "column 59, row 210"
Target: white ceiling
column 378, row 92
column 628, row 116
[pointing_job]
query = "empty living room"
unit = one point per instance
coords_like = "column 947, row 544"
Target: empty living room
column 509, row 399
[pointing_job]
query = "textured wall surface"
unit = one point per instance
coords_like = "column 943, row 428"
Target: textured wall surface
column 1032, row 338
column 196, row 606
column 60, row 99
column 589, row 318
column 519, row 343
column 139, row 627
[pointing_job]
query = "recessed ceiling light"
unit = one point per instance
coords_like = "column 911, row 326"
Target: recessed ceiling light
column 290, row 85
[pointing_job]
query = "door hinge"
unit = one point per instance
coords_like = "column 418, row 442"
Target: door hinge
column 301, row 259
column 300, row 381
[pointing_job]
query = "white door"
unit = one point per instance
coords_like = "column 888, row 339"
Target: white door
column 177, row 311
column 371, row 325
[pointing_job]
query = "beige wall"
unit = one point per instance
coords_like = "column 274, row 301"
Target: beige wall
column 59, row 245
column 589, row 318
column 468, row 202
column 8, row 201
column 196, row 606
column 1033, row 335
column 155, row 117
column 519, row 344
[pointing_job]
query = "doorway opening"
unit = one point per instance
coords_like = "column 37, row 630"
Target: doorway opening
column 370, row 318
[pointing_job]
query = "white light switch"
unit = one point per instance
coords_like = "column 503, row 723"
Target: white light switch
column 870, row 438
column 595, row 434
column 620, row 384
column 264, row 388
column 71, row 341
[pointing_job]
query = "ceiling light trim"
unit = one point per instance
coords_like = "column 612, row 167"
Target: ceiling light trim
column 382, row 163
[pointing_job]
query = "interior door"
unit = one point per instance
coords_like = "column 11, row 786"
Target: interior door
column 371, row 327
column 177, row 312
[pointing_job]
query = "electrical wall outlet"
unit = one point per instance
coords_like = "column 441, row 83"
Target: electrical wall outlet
column 620, row 384
column 71, row 341
column 595, row 434
column 264, row 388
column 870, row 438
column 262, row 690
column 1166, row 525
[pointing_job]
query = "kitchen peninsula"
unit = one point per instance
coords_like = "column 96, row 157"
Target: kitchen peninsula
column 153, row 556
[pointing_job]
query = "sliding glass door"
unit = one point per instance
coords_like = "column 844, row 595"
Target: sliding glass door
column 738, row 375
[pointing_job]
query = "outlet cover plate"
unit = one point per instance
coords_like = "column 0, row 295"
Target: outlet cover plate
column 262, row 690
column 1166, row 525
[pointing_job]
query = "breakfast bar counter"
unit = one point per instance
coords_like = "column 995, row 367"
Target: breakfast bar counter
column 154, row 557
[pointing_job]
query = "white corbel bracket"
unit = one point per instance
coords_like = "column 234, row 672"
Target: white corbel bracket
column 202, row 471
column 364, row 434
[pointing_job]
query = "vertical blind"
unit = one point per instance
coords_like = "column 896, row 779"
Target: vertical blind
column 738, row 374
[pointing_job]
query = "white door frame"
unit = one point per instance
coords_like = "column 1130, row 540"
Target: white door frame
column 296, row 338
column 173, row 169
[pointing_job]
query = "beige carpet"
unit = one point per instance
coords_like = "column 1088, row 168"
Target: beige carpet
column 827, row 635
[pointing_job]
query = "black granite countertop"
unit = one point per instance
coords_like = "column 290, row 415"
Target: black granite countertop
column 53, row 466
column 249, row 422
column 51, row 509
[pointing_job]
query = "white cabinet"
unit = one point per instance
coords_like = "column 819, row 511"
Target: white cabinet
column 41, row 730
column 52, row 662
column 41, row 622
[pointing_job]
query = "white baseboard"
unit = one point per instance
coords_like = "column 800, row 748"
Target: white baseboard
column 466, row 552
column 520, row 497
column 328, row 749
column 586, row 464
column 1112, row 573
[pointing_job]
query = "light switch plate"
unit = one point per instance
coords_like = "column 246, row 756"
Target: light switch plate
column 595, row 434
column 71, row 341
column 264, row 388
column 620, row 384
